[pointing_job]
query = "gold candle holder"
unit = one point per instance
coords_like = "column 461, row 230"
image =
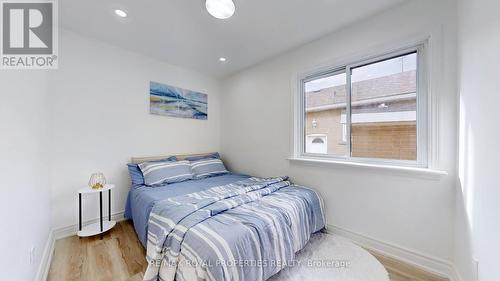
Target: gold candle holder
column 97, row 181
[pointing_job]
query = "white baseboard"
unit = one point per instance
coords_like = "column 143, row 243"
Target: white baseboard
column 430, row 264
column 59, row 233
column 48, row 251
column 454, row 275
column 70, row 230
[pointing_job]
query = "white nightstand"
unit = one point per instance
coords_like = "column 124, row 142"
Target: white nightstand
column 102, row 225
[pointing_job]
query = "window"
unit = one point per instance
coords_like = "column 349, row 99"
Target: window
column 317, row 144
column 369, row 111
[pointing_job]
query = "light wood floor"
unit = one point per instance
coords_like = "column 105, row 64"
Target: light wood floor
column 400, row 271
column 119, row 256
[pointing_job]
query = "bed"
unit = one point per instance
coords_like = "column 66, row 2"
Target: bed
column 225, row 227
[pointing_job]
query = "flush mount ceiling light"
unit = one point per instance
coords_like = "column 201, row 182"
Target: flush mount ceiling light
column 121, row 13
column 222, row 59
column 221, row 9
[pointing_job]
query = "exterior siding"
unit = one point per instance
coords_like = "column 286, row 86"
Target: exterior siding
column 385, row 140
column 390, row 140
column 328, row 123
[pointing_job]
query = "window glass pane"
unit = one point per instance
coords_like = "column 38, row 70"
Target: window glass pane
column 384, row 109
column 325, row 104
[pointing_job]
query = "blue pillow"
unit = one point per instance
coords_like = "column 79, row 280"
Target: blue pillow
column 209, row 167
column 209, row 156
column 136, row 174
column 156, row 173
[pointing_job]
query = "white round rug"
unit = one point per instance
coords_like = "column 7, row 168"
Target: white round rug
column 333, row 258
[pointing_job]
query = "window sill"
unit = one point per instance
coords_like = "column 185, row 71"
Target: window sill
column 424, row 173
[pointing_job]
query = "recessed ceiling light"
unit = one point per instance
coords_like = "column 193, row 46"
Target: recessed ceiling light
column 222, row 59
column 221, row 9
column 121, row 13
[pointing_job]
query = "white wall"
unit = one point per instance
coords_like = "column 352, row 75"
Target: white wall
column 24, row 199
column 416, row 214
column 478, row 224
column 99, row 105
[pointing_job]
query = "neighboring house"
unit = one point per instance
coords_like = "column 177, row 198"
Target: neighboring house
column 383, row 118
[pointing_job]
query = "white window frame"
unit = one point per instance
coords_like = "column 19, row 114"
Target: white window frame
column 423, row 108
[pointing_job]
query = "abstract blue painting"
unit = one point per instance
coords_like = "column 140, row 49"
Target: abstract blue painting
column 176, row 102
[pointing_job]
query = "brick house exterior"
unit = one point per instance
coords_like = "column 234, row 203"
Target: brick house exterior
column 383, row 118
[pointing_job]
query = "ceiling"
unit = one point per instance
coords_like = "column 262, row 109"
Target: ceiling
column 181, row 32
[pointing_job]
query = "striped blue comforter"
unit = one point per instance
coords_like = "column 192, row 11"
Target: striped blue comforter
column 248, row 230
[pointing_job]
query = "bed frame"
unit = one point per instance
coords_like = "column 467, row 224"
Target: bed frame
column 137, row 160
